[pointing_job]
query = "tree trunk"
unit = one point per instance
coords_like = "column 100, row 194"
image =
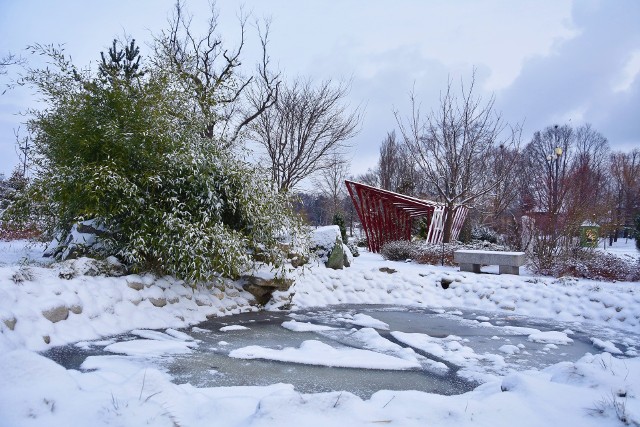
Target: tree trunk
column 448, row 223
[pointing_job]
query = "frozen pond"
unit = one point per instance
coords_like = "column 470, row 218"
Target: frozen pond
column 360, row 349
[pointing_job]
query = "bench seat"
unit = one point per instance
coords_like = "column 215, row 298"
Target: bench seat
column 472, row 260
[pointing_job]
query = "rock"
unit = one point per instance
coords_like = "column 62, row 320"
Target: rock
column 297, row 260
column 262, row 295
column 89, row 227
column 11, row 322
column 115, row 267
column 47, row 339
column 202, row 301
column 387, row 270
column 81, row 240
column 348, row 256
column 76, row 309
column 323, row 240
column 445, row 282
column 136, row 285
column 336, row 258
column 56, row 314
column 158, row 302
column 262, row 288
column 67, row 273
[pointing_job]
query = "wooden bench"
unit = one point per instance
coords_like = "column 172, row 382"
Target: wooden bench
column 508, row 262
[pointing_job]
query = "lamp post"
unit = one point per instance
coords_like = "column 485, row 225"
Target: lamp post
column 554, row 165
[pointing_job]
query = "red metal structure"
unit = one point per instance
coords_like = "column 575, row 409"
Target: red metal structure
column 387, row 216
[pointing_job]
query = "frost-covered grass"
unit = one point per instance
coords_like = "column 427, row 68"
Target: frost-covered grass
column 597, row 390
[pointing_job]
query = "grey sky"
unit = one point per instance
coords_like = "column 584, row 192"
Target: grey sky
column 547, row 61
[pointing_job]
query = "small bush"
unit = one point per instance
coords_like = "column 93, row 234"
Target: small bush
column 354, row 249
column 339, row 221
column 362, row 242
column 9, row 232
column 590, row 264
column 484, row 234
column 426, row 253
column 399, row 250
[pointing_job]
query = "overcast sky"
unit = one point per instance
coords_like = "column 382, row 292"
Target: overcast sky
column 547, row 62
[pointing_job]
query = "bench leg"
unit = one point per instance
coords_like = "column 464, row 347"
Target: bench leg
column 472, row 268
column 509, row 269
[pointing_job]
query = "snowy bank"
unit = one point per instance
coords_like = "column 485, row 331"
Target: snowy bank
column 43, row 306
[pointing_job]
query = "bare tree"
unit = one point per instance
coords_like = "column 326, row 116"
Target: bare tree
column 370, row 177
column 454, row 146
column 304, row 128
column 330, row 182
column 625, row 174
column 396, row 168
column 566, row 170
column 566, row 179
column 549, row 157
column 210, row 73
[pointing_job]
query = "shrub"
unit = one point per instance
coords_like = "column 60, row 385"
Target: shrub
column 591, row 264
column 484, row 234
column 399, row 250
column 354, row 249
column 125, row 151
column 426, row 253
column 338, row 220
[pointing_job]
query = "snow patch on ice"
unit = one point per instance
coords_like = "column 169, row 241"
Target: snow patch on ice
column 312, row 352
column 550, row 337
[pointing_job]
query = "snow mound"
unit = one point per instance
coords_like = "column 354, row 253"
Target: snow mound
column 550, row 337
column 292, row 325
column 312, row 352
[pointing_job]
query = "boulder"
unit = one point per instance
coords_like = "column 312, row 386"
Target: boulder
column 11, row 322
column 158, row 302
column 328, row 247
column 322, row 241
column 348, row 255
column 82, row 239
column 56, row 314
column 136, row 285
column 262, row 288
column 336, row 258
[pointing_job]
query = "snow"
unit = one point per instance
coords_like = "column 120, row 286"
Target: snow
column 623, row 248
column 607, row 346
column 550, row 337
column 292, row 325
column 313, row 352
column 325, row 237
column 596, row 390
column 367, row 321
column 149, row 347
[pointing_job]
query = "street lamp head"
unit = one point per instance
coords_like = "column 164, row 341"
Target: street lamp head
column 558, row 151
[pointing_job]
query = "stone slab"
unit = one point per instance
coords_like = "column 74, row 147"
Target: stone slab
column 514, row 259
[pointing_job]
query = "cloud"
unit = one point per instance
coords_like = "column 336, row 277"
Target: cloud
column 581, row 77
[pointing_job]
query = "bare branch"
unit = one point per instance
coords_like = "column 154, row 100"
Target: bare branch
column 210, row 73
column 306, row 125
column 454, row 146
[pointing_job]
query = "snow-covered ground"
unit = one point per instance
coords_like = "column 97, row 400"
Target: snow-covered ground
column 43, row 306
